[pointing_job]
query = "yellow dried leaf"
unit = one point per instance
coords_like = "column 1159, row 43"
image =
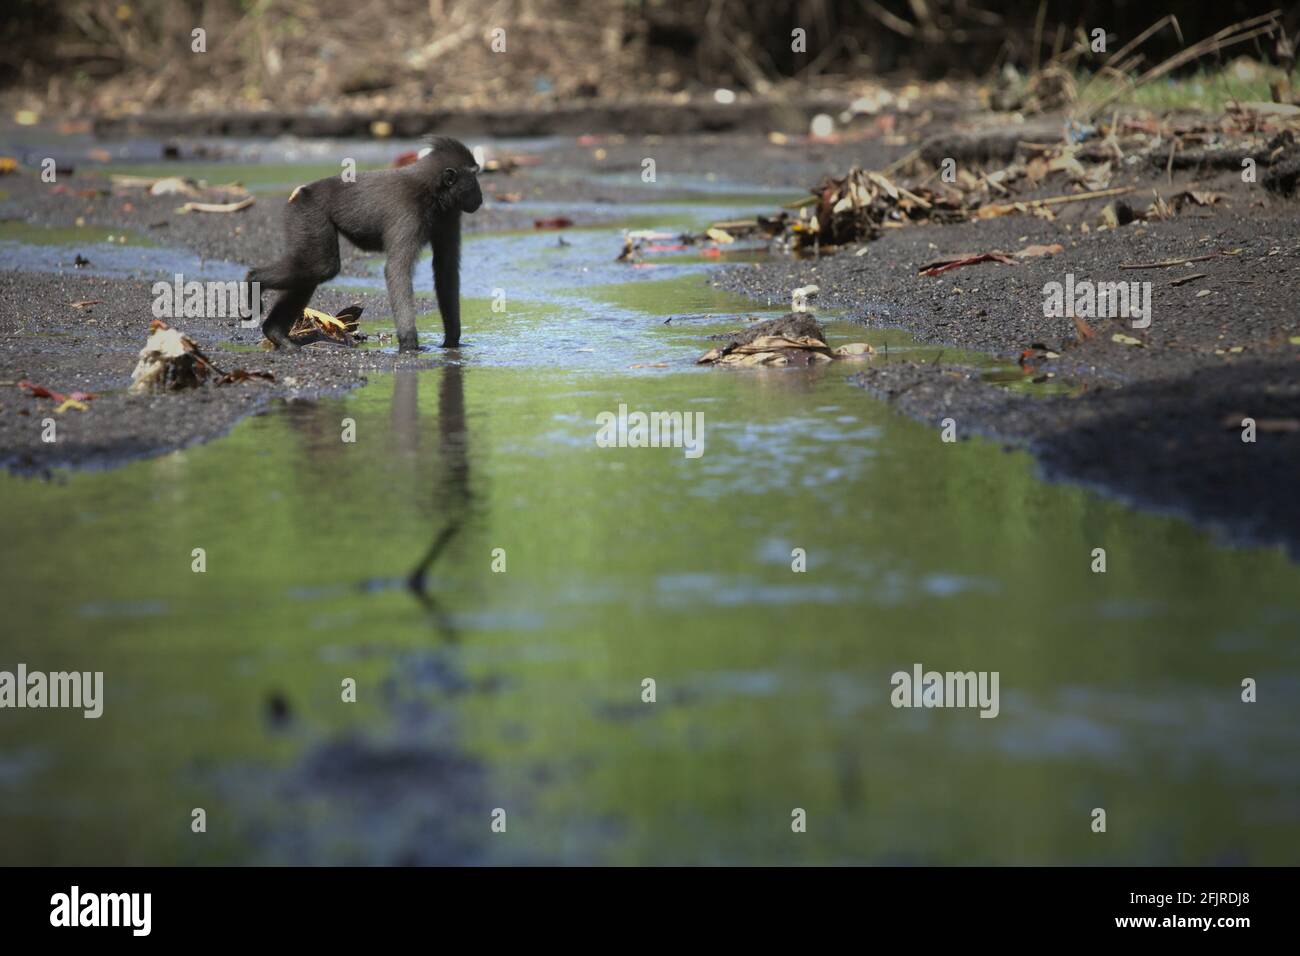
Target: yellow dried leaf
column 324, row 318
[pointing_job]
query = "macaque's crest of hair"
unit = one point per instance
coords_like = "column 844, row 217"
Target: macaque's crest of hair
column 451, row 152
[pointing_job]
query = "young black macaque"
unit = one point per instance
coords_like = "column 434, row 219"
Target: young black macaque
column 394, row 210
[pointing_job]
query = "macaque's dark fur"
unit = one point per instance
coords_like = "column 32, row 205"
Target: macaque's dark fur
column 393, row 210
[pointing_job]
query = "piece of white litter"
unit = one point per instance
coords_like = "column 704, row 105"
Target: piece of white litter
column 801, row 296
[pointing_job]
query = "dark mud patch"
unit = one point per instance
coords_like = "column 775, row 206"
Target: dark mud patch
column 1167, row 444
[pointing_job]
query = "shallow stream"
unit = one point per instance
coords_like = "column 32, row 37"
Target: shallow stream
column 521, row 688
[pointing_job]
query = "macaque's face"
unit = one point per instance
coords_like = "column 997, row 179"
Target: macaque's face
column 460, row 186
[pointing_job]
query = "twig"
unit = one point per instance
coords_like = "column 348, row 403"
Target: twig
column 1138, row 40
column 1038, row 36
column 891, row 20
column 217, row 207
column 899, row 163
column 1058, row 200
column 426, row 55
column 1178, row 262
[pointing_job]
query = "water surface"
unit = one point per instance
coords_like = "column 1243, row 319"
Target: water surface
column 522, row 689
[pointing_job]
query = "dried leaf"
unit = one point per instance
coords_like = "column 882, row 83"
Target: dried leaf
column 316, row 326
column 40, row 391
column 324, row 318
column 766, row 343
column 940, row 266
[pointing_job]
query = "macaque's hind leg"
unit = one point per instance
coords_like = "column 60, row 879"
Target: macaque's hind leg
column 286, row 311
column 276, row 275
column 313, row 258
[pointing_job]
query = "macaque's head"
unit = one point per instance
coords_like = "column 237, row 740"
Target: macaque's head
column 457, row 183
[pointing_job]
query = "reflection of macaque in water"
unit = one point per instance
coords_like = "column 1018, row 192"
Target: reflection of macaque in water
column 451, row 489
column 316, row 427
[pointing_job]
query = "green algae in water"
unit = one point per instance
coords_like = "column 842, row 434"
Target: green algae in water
column 524, row 686
column 257, row 178
column 81, row 236
column 688, row 293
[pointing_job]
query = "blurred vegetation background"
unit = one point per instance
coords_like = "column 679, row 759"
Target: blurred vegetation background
column 130, row 55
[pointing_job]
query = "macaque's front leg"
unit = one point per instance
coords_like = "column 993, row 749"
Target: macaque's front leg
column 397, row 274
column 446, row 279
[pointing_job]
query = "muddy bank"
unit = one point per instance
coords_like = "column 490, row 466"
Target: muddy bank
column 1148, row 415
column 93, row 349
column 1169, row 444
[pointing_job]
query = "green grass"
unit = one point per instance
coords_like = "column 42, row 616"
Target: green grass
column 1207, row 90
